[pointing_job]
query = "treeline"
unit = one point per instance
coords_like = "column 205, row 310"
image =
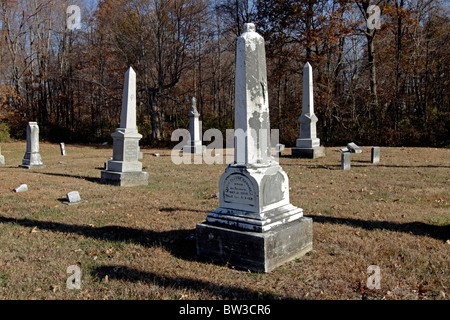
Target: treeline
column 386, row 86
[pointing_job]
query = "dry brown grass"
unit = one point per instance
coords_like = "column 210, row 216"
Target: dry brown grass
column 137, row 243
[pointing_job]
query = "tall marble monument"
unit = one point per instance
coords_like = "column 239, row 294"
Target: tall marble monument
column 32, row 158
column 125, row 169
column 255, row 227
column 308, row 145
column 195, row 143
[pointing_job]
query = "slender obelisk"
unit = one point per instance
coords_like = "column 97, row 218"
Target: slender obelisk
column 32, row 158
column 195, row 143
column 125, row 169
column 308, row 145
column 255, row 226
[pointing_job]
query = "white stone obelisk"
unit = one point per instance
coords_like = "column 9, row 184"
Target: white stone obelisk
column 2, row 158
column 32, row 158
column 255, row 226
column 125, row 169
column 308, row 145
column 195, row 143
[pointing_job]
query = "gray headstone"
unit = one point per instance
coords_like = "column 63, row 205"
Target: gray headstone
column 63, row 148
column 73, row 197
column 32, row 158
column 254, row 206
column 21, row 188
column 353, row 148
column 375, row 155
column 345, row 160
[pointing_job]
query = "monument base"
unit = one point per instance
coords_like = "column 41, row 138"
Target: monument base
column 197, row 149
column 124, row 179
column 32, row 166
column 308, row 153
column 255, row 251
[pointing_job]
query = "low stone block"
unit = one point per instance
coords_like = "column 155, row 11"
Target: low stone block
column 124, row 179
column 308, row 153
column 2, row 160
column 255, row 251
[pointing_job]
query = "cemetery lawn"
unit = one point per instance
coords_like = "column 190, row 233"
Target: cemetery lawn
column 139, row 242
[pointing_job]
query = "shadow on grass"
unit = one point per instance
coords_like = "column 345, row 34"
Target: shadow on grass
column 180, row 242
column 90, row 179
column 416, row 228
column 132, row 275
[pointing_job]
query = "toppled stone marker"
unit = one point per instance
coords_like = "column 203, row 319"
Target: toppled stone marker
column 21, row 188
column 353, row 148
column 73, row 197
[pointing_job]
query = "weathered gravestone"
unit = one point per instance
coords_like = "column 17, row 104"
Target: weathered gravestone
column 255, row 227
column 32, row 158
column 125, row 169
column 63, row 148
column 375, row 155
column 195, row 143
column 345, row 160
column 2, row 158
column 353, row 148
column 308, row 145
column 73, row 197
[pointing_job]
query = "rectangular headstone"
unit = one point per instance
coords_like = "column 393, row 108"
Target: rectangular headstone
column 345, row 160
column 375, row 155
column 73, row 197
column 63, row 148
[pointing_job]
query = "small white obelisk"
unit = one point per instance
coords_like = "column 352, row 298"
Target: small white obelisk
column 125, row 169
column 195, row 143
column 308, row 145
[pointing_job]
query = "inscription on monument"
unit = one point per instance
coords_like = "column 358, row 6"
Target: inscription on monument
column 238, row 189
column 131, row 152
column 273, row 188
